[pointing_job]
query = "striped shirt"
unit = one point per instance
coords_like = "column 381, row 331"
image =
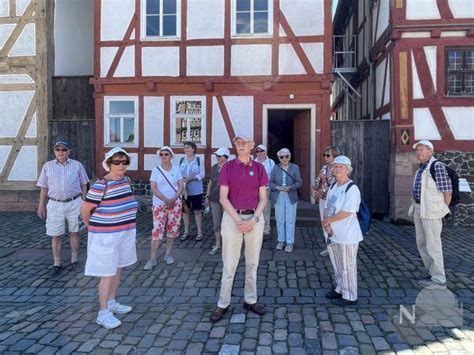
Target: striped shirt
column 116, row 210
column 63, row 181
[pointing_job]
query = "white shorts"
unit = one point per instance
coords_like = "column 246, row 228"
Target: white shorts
column 57, row 213
column 107, row 252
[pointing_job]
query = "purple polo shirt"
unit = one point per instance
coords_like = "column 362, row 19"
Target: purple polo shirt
column 244, row 182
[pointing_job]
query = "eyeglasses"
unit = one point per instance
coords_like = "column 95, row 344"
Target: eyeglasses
column 218, row 156
column 327, row 155
column 284, row 157
column 118, row 162
column 61, row 149
column 164, row 154
column 259, row 151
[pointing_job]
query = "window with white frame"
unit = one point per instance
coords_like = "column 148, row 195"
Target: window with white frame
column 460, row 71
column 121, row 121
column 161, row 18
column 188, row 120
column 252, row 17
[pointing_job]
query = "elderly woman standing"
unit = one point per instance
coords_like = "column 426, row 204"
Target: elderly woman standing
column 167, row 186
column 284, row 182
column 343, row 232
column 213, row 195
column 323, row 181
column 192, row 169
column 110, row 212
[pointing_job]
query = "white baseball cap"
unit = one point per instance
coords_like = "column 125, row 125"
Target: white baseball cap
column 261, row 147
column 342, row 159
column 110, row 154
column 424, row 142
column 222, row 151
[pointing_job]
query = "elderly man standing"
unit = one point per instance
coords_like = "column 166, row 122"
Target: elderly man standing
column 268, row 164
column 64, row 182
column 243, row 187
column 431, row 198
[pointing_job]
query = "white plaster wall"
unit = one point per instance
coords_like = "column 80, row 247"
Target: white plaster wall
column 4, row 8
column 315, row 54
column 5, row 32
column 422, row 9
column 153, row 121
column 417, row 91
column 306, row 17
column 126, row 66
column 24, row 167
column 420, row 34
column 16, row 79
column 107, row 55
column 4, row 151
column 384, row 14
column 461, row 122
column 115, row 18
column 21, row 6
column 386, row 116
column 462, row 8
column 133, row 161
column 240, row 109
column 220, row 136
column 150, row 161
column 31, row 133
column 425, row 126
column 430, row 52
column 379, row 82
column 73, row 49
column 252, row 59
column 205, row 61
column 13, row 107
column 25, row 44
column 288, row 61
column 205, row 19
column 162, row 61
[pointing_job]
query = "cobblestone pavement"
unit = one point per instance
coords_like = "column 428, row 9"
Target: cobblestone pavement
column 44, row 314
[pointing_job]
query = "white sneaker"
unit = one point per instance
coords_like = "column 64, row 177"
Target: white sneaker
column 169, row 259
column 289, row 248
column 325, row 252
column 120, row 308
column 214, row 250
column 108, row 321
column 150, row 264
column 280, row 246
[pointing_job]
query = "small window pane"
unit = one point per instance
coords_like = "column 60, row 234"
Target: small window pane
column 169, row 7
column 128, row 130
column 469, row 60
column 188, row 107
column 469, row 83
column 260, row 5
column 261, row 22
column 122, row 107
column 169, row 25
column 455, row 83
column 195, row 134
column 114, row 134
column 153, row 25
column 454, row 60
column 152, row 7
column 243, row 5
column 181, row 130
column 243, row 22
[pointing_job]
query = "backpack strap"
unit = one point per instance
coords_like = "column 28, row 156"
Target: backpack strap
column 432, row 169
column 197, row 158
column 352, row 183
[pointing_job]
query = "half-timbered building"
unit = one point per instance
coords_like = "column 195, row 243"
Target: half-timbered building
column 169, row 71
column 406, row 67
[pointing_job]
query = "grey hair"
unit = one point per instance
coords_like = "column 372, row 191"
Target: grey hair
column 284, row 151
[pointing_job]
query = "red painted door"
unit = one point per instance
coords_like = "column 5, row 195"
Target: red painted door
column 301, row 154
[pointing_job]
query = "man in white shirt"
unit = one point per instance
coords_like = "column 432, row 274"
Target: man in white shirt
column 268, row 164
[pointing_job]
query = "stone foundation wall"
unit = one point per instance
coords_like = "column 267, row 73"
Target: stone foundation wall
column 19, row 200
column 402, row 171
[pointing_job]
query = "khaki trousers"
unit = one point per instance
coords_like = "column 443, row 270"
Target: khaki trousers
column 232, row 240
column 428, row 241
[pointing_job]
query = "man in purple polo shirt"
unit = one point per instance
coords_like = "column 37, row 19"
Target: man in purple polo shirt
column 243, row 183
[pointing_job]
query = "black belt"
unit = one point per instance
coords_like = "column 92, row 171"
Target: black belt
column 417, row 201
column 250, row 211
column 66, row 200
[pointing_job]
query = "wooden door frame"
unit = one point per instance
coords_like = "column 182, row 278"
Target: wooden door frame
column 312, row 152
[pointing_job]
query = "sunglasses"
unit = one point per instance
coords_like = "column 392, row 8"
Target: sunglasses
column 219, row 156
column 61, row 149
column 284, row 157
column 118, row 162
column 164, row 154
column 259, row 151
column 327, row 155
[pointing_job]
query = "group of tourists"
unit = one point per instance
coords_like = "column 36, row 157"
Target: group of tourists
column 240, row 193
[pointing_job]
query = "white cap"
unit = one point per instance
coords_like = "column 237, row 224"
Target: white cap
column 424, row 142
column 261, row 147
column 165, row 148
column 342, row 159
column 111, row 153
column 244, row 136
column 222, row 151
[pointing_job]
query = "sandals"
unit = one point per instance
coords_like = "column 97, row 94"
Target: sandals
column 184, row 236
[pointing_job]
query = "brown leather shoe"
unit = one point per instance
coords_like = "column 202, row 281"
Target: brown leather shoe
column 255, row 308
column 218, row 314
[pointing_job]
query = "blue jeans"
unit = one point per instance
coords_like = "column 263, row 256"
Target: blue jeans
column 285, row 214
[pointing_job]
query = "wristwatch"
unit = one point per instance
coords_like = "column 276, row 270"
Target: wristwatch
column 256, row 219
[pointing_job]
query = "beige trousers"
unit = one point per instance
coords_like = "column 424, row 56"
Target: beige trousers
column 428, row 241
column 232, row 240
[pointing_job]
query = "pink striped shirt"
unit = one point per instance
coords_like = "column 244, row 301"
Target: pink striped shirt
column 63, row 181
